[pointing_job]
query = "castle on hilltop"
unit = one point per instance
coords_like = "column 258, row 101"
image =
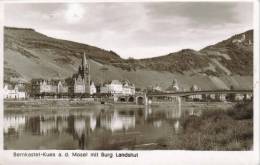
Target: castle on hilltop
column 241, row 40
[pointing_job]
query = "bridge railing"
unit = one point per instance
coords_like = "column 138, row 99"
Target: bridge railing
column 186, row 93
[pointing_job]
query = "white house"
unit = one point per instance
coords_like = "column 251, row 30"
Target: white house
column 195, row 97
column 157, row 88
column 47, row 87
column 249, row 96
column 239, row 97
column 79, row 85
column 221, row 97
column 116, row 87
column 128, row 89
column 13, row 93
column 93, row 88
column 62, row 88
column 194, row 87
column 212, row 96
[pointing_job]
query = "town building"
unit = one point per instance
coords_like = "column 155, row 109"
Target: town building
column 154, row 89
column 248, row 96
column 16, row 92
column 62, row 87
column 221, row 97
column 93, row 88
column 79, row 85
column 194, row 87
column 104, row 88
column 212, row 96
column 115, row 87
column 128, row 88
column 157, row 88
column 48, row 87
column 174, row 87
column 196, row 97
column 239, row 97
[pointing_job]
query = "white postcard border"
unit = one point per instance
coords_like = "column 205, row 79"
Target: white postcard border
column 145, row 157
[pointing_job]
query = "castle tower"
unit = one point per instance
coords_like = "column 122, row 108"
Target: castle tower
column 86, row 73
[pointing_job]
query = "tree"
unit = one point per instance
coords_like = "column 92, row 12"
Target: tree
column 131, row 59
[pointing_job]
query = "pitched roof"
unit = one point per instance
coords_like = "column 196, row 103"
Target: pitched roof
column 8, row 86
column 20, row 88
column 172, row 88
column 116, row 82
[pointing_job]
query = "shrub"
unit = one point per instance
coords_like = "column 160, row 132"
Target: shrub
column 218, row 130
column 242, row 111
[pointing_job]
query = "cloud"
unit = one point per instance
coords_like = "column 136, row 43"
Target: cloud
column 74, row 13
column 200, row 13
column 135, row 29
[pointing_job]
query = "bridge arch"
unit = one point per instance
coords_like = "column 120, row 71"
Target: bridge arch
column 131, row 99
column 122, row 99
column 140, row 100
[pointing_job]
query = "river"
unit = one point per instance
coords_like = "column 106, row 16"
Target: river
column 95, row 127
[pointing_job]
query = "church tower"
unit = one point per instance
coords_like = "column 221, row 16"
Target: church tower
column 85, row 73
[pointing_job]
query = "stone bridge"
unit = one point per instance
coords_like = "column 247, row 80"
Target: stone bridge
column 143, row 98
column 189, row 93
column 138, row 98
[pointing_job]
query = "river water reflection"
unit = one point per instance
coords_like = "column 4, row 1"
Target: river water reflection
column 96, row 127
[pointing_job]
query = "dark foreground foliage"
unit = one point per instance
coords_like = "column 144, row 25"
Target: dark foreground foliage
column 217, row 130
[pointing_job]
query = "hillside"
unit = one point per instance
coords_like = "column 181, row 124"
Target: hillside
column 235, row 53
column 224, row 58
column 29, row 54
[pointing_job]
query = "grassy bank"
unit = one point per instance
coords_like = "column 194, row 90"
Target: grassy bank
column 217, row 130
column 59, row 104
column 31, row 104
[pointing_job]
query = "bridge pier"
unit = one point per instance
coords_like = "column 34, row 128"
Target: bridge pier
column 145, row 100
column 141, row 99
column 179, row 105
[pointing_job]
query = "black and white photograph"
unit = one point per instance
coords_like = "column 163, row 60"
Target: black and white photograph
column 135, row 76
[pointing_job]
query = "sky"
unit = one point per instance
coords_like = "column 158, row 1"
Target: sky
column 133, row 29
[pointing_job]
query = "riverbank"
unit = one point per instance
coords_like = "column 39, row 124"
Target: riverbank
column 26, row 105
column 230, row 130
column 52, row 104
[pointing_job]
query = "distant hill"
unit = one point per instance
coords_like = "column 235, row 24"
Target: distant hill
column 234, row 54
column 29, row 54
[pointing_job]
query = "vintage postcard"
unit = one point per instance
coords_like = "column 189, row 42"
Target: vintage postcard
column 139, row 81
